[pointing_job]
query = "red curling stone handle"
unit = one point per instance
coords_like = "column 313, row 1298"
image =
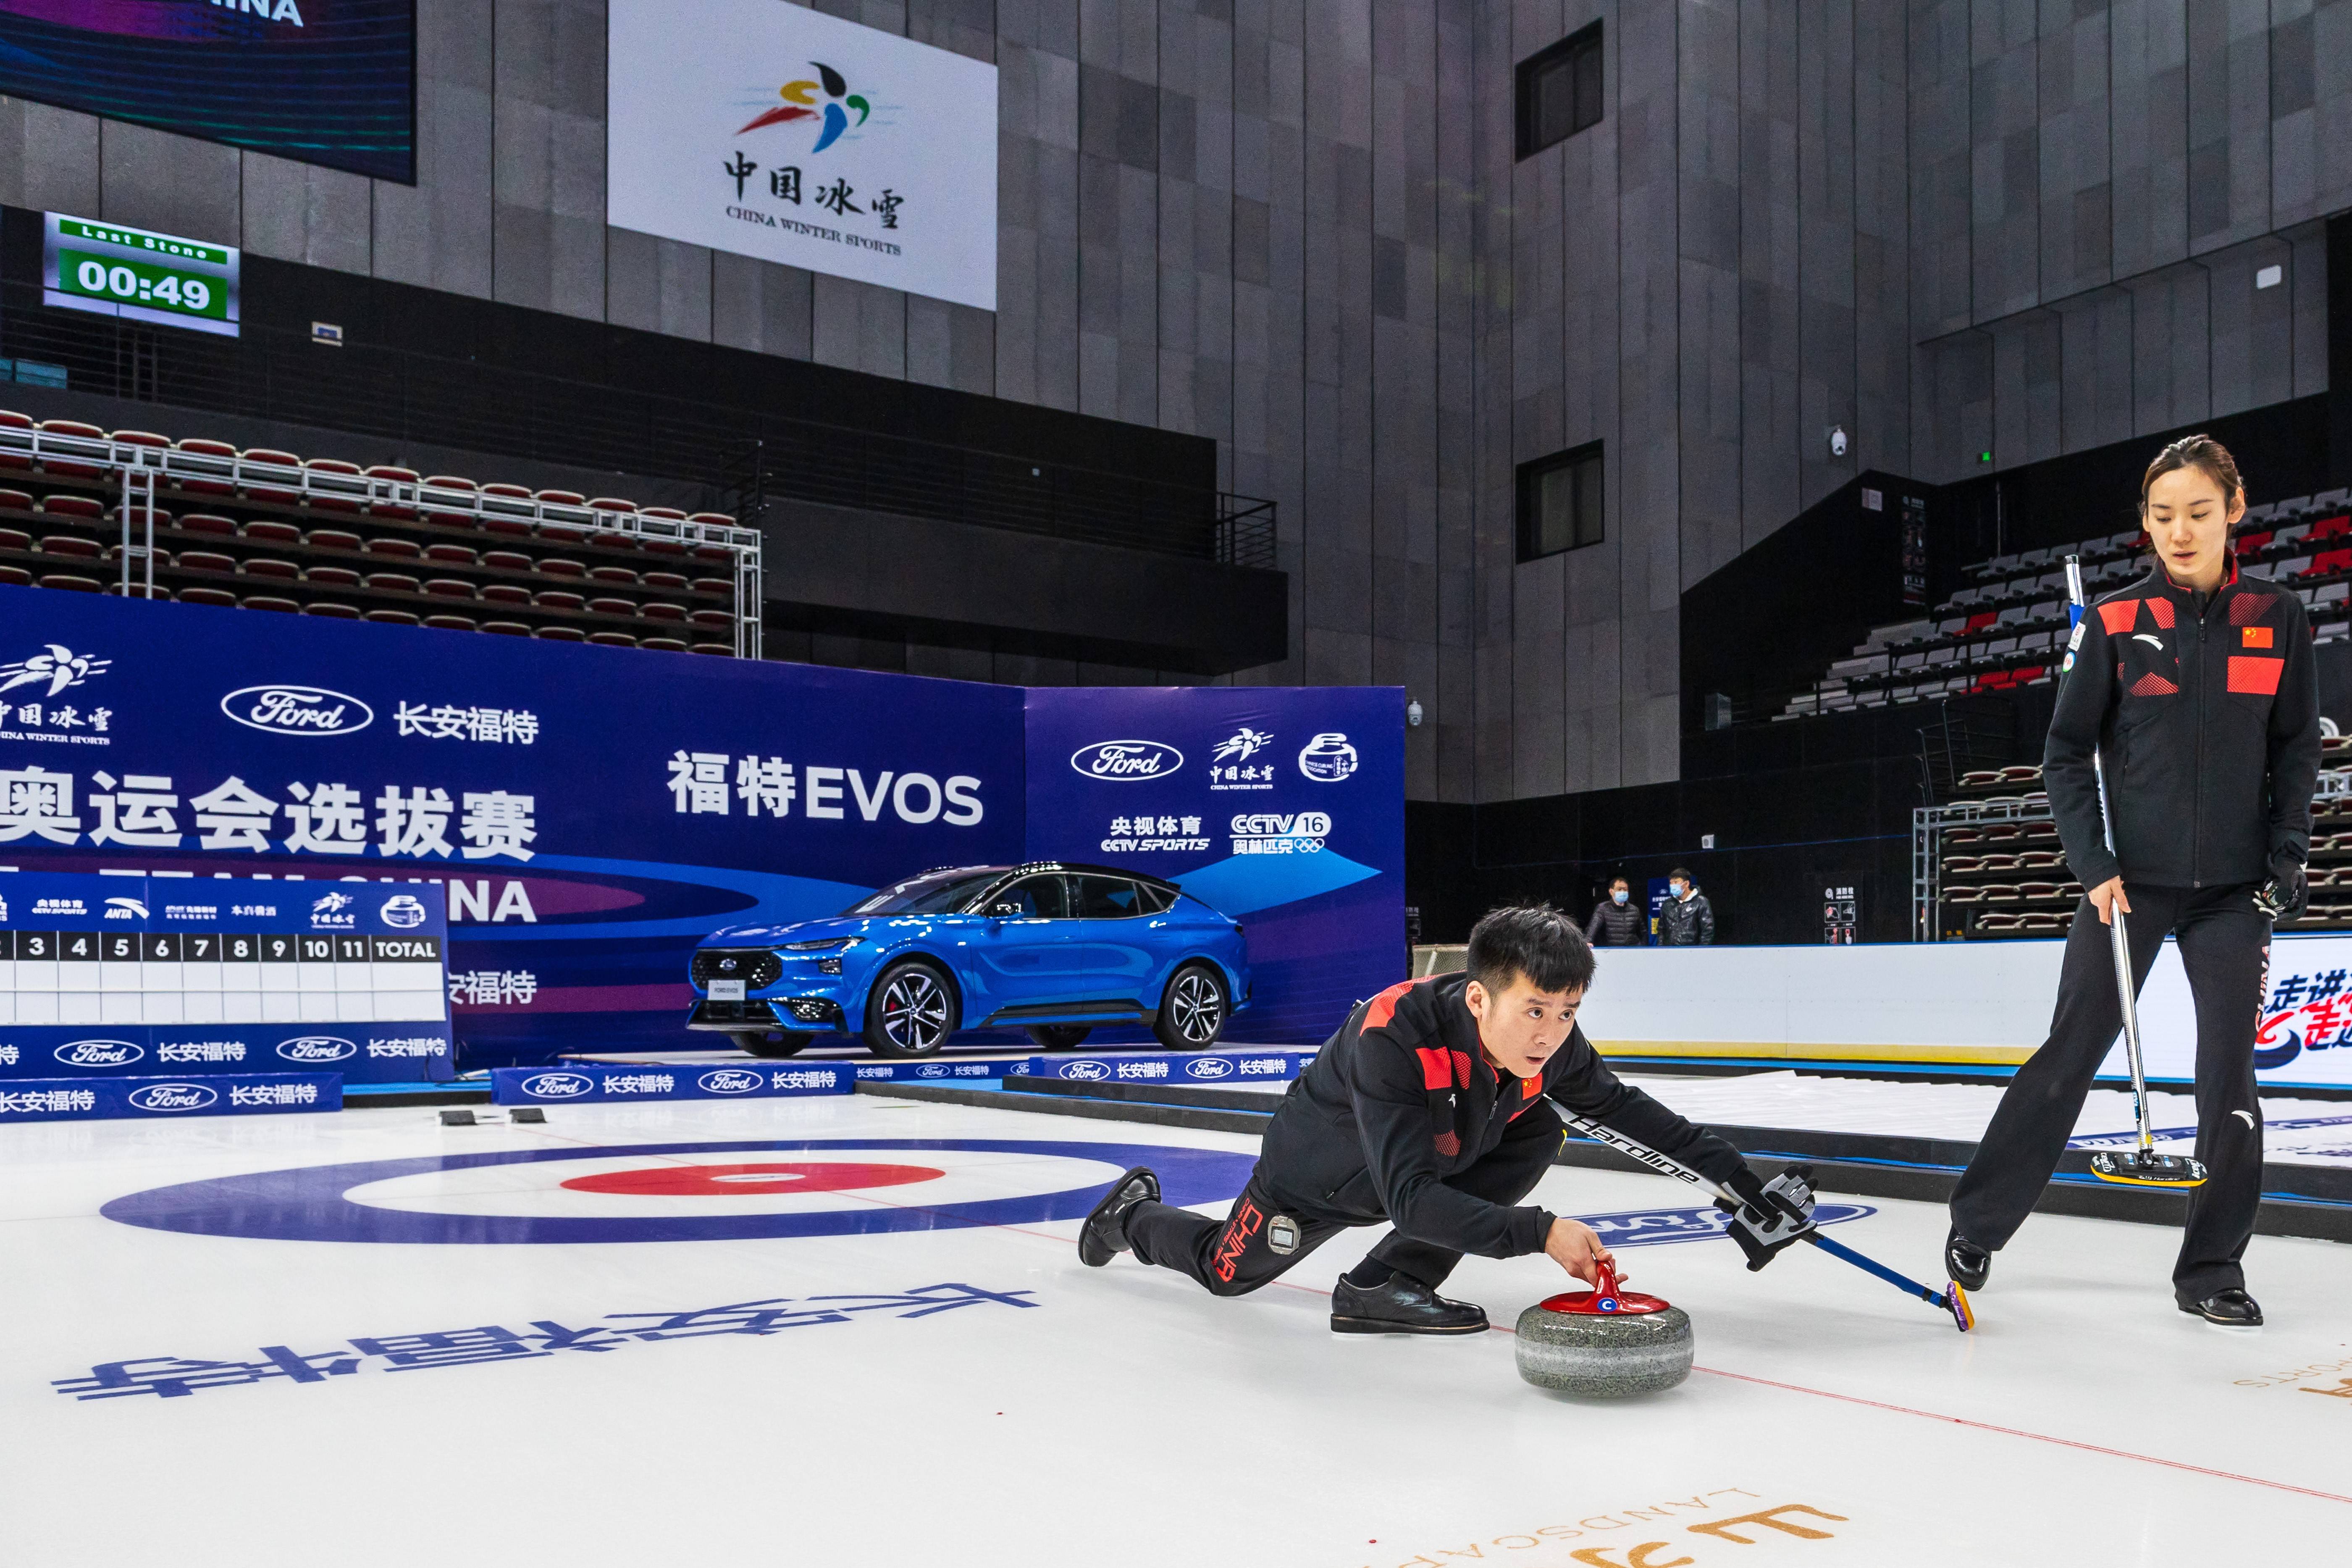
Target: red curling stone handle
column 1607, row 1302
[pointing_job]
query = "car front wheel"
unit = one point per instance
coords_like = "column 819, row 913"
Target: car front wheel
column 1059, row 1036
column 1193, row 1013
column 912, row 1012
column 773, row 1042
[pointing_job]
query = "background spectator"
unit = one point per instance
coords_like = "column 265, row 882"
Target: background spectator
column 1688, row 920
column 1618, row 921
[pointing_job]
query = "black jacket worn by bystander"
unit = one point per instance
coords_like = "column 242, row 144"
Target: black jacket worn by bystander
column 1686, row 922
column 2206, row 708
column 1402, row 1098
column 1618, row 925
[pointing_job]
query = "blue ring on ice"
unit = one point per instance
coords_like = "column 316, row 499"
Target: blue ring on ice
column 307, row 1203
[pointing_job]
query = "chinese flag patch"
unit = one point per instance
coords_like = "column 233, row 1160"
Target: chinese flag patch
column 2258, row 637
column 2255, row 677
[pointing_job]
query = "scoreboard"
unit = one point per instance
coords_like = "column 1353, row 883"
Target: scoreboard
column 143, row 974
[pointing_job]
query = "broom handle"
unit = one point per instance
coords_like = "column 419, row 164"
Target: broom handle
column 2119, row 939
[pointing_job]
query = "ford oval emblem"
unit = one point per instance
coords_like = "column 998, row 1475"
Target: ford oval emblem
column 297, row 711
column 173, row 1096
column 1125, row 761
column 557, row 1085
column 730, row 1080
column 1209, row 1067
column 318, row 1048
column 1091, row 1071
column 98, row 1053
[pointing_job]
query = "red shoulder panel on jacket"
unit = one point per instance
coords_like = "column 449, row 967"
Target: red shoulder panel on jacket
column 2161, row 612
column 2248, row 606
column 1384, row 1007
column 2117, row 614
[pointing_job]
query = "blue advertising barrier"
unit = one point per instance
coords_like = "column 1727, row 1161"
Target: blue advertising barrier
column 103, row 1098
column 946, row 1072
column 1222, row 1068
column 1283, row 807
column 590, row 814
column 587, row 1085
column 110, row 976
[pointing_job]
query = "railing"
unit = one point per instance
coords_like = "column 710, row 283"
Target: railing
column 404, row 395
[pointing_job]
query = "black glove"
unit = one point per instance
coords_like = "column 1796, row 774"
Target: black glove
column 2283, row 898
column 1769, row 1216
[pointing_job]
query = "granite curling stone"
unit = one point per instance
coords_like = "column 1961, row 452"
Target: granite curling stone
column 1604, row 1343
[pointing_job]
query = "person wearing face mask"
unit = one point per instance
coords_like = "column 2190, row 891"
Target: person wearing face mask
column 1431, row 1110
column 1688, row 919
column 1617, row 921
column 2197, row 688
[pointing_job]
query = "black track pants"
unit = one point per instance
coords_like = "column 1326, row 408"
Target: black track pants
column 2225, row 948
column 1266, row 1234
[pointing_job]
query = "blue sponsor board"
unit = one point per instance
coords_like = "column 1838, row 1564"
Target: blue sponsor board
column 937, row 1072
column 585, row 1085
column 1223, row 1069
column 103, row 1098
column 121, row 974
column 1281, row 807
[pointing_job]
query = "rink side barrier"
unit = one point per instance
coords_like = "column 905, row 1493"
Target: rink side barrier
column 160, row 1099
column 1269, row 1066
column 696, row 1080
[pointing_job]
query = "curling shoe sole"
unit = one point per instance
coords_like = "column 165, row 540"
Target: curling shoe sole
column 1103, row 1236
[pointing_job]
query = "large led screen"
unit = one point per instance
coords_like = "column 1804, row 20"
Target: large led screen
column 325, row 81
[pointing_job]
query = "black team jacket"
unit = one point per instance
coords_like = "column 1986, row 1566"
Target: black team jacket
column 2206, row 708
column 1402, row 1098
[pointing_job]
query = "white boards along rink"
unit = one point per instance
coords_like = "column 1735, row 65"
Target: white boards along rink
column 773, row 131
column 1958, row 1003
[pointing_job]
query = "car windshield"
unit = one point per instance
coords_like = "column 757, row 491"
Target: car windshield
column 935, row 893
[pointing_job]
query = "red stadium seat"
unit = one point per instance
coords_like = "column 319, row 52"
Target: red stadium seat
column 333, row 576
column 506, row 628
column 382, row 506
column 18, row 577
column 332, row 612
column 612, row 639
column 326, row 494
column 255, row 487
column 70, row 544
column 138, row 591
column 220, row 599
column 69, row 506
column 507, row 560
column 10, row 457
column 205, row 561
column 562, row 634
column 712, row 620
column 2326, row 528
column 400, row 549
column 270, row 531
column 332, row 539
column 448, row 622
column 555, row 566
column 671, row 580
column 611, row 504
column 393, row 583
column 203, row 467
column 280, row 571
column 2327, row 563
column 205, row 522
column 614, row 607
column 658, row 612
column 449, row 588
column 619, row 576
column 15, row 501
column 713, row 585
column 558, row 599
column 70, row 583
column 391, row 618
column 564, row 498
column 664, row 645
column 505, row 594
column 66, row 465
column 15, row 539
column 452, row 555
column 140, row 439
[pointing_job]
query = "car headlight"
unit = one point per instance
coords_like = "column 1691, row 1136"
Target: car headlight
column 829, row 944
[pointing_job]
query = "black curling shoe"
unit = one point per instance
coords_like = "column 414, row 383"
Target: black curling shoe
column 1967, row 1264
column 1402, row 1306
column 2232, row 1309
column 1103, row 1236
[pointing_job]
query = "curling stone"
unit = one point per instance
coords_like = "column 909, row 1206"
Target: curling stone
column 1604, row 1343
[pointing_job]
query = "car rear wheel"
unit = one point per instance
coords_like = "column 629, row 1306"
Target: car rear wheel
column 912, row 1012
column 1193, row 1013
column 771, row 1042
column 1059, row 1036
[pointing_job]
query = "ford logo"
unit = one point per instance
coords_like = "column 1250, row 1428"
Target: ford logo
column 557, row 1085
column 730, row 1080
column 98, row 1053
column 930, row 1069
column 1209, row 1067
column 173, row 1096
column 297, row 711
column 1126, row 760
column 316, row 1049
column 1091, row 1071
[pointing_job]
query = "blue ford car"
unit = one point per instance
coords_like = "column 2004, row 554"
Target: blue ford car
column 1049, row 947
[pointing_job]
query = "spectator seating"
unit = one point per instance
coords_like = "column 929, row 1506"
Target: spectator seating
column 2008, row 627
column 269, row 530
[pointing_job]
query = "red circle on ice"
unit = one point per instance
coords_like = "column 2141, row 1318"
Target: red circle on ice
column 751, row 1180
